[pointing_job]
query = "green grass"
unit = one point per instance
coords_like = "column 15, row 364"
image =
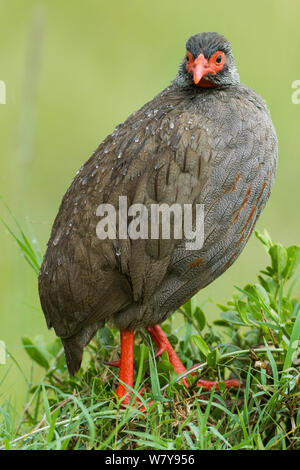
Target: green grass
column 255, row 338
column 74, row 71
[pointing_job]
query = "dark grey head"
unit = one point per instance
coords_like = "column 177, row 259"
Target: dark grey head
column 209, row 62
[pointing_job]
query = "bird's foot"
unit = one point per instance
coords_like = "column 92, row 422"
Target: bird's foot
column 163, row 344
column 124, row 390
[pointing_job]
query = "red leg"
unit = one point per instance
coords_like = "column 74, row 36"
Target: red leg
column 208, row 384
column 126, row 366
column 163, row 344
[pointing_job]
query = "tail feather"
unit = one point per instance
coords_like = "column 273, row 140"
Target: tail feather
column 74, row 345
column 73, row 353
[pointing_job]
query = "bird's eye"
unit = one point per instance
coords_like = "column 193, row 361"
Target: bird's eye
column 217, row 60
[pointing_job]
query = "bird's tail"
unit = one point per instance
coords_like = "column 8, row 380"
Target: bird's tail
column 73, row 353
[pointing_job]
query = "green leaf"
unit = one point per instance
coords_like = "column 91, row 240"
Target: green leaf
column 231, row 316
column 213, row 357
column 187, row 307
column 200, row 318
column 293, row 254
column 164, row 366
column 272, row 362
column 293, row 344
column 264, row 238
column 262, row 294
column 279, row 258
column 187, row 336
column 35, row 353
column 53, row 419
column 201, row 344
column 268, row 284
column 105, row 337
column 253, row 336
column 222, row 323
column 141, row 361
column 54, row 347
column 259, row 442
column 222, row 386
column 243, row 311
column 154, row 376
column 258, row 297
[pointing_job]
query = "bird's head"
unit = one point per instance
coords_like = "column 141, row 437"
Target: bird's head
column 209, row 62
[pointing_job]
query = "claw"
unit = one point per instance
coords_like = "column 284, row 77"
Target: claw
column 160, row 351
column 112, row 363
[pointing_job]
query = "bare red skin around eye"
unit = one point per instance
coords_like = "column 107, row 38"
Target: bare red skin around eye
column 200, row 67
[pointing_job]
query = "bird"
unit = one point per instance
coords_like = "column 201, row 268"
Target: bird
column 207, row 140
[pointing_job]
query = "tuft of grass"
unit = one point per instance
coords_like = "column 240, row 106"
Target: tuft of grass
column 255, row 338
column 29, row 248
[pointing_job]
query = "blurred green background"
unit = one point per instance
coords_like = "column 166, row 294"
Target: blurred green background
column 73, row 70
